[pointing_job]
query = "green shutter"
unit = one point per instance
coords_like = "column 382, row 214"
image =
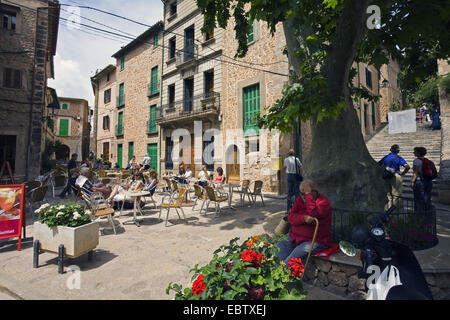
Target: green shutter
column 154, row 81
column 64, row 127
column 368, row 78
column 121, row 94
column 122, row 63
column 64, row 106
column 152, row 123
column 119, row 155
column 152, row 151
column 251, row 109
column 130, row 150
column 155, row 40
column 120, row 124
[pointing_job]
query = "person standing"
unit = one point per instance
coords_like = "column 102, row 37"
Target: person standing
column 147, row 162
column 72, row 164
column 293, row 168
column 421, row 187
column 436, row 123
column 395, row 184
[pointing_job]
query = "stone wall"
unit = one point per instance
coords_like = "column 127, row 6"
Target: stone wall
column 342, row 279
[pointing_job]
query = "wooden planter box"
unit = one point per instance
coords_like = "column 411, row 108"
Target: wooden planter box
column 76, row 241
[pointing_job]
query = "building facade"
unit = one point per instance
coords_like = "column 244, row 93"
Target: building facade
column 71, row 128
column 127, row 97
column 391, row 96
column 28, row 37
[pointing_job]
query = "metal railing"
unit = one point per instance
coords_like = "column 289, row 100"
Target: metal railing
column 152, row 88
column 197, row 105
column 190, row 52
column 119, row 130
column 407, row 225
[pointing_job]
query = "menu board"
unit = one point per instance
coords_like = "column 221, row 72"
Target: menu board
column 12, row 199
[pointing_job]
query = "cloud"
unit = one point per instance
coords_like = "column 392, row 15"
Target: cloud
column 81, row 52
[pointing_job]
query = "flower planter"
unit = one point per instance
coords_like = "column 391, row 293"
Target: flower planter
column 76, row 241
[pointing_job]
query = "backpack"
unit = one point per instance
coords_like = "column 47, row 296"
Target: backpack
column 389, row 172
column 429, row 171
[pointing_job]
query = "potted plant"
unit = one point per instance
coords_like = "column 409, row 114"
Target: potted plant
column 249, row 271
column 67, row 224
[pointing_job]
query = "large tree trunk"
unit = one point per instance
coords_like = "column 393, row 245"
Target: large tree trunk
column 339, row 162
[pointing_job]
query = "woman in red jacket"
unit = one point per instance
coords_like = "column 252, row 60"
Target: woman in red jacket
column 312, row 205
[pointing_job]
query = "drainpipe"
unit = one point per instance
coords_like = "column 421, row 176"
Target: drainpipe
column 161, row 90
column 95, row 117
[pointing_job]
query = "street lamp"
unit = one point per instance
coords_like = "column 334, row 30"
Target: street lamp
column 384, row 83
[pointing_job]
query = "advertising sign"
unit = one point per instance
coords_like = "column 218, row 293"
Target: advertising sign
column 12, row 199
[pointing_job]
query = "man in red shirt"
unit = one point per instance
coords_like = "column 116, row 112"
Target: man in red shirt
column 312, row 205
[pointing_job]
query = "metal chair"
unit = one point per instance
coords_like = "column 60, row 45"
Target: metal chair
column 257, row 191
column 212, row 197
column 36, row 195
column 174, row 204
column 199, row 193
column 244, row 191
column 58, row 180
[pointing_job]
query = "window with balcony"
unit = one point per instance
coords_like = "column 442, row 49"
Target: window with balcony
column 172, row 48
column 107, row 96
column 188, row 51
column 209, row 35
column 8, row 20
column 208, row 154
column 12, row 78
column 251, row 109
column 154, row 81
column 188, row 97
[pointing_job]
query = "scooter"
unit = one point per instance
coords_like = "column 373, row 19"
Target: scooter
column 391, row 269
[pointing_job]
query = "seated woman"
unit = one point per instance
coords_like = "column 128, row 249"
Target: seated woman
column 219, row 178
column 153, row 183
column 118, row 193
column 181, row 175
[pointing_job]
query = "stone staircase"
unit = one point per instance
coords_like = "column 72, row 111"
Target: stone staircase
column 381, row 142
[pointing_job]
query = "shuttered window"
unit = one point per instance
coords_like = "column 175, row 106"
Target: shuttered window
column 119, row 155
column 64, row 106
column 122, row 63
column 251, row 33
column 121, row 94
column 152, row 151
column 130, row 150
column 155, row 40
column 120, row 124
column 251, row 109
column 12, row 78
column 368, row 78
column 154, row 81
column 64, row 127
column 152, row 121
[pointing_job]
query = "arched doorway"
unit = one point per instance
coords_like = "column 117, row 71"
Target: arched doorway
column 233, row 167
column 62, row 153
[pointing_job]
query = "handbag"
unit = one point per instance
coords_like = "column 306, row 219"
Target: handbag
column 297, row 173
column 283, row 227
column 389, row 172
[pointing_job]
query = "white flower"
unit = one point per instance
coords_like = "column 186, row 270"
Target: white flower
column 88, row 212
column 60, row 214
column 261, row 244
column 37, row 211
column 75, row 213
column 45, row 205
column 76, row 216
column 61, row 207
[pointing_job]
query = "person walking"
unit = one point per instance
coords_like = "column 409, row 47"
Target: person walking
column 293, row 168
column 436, row 123
column 395, row 184
column 72, row 164
column 421, row 186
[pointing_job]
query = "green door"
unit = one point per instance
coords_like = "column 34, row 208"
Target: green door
column 251, row 109
column 121, row 94
column 119, row 155
column 152, row 151
column 154, row 81
column 120, row 124
column 64, row 127
column 130, row 150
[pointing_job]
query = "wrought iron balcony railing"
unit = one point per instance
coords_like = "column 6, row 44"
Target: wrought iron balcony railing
column 189, row 53
column 206, row 103
column 119, row 130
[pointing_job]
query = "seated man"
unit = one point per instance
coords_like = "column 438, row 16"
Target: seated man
column 314, row 205
column 88, row 187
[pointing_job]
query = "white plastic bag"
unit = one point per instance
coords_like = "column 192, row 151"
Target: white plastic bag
column 384, row 283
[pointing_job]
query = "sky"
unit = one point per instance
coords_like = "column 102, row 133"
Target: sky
column 79, row 54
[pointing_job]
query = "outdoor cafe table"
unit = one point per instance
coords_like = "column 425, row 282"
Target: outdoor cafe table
column 136, row 195
column 114, row 174
column 230, row 196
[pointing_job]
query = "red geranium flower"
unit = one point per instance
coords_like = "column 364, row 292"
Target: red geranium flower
column 198, row 286
column 254, row 258
column 296, row 266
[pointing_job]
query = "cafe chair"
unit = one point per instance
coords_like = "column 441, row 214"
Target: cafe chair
column 174, row 203
column 213, row 197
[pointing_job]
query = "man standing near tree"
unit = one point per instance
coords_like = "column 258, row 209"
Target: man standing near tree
column 72, row 164
column 395, row 184
column 293, row 166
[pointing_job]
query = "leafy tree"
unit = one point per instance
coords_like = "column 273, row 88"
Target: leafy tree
column 324, row 38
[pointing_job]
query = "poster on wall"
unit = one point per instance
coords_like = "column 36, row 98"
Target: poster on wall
column 12, row 199
column 402, row 121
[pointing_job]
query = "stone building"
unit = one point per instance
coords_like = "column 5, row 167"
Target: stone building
column 210, row 100
column 127, row 97
column 71, row 128
column 28, row 37
column 391, row 96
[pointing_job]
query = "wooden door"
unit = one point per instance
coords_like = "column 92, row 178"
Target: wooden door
column 233, row 169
